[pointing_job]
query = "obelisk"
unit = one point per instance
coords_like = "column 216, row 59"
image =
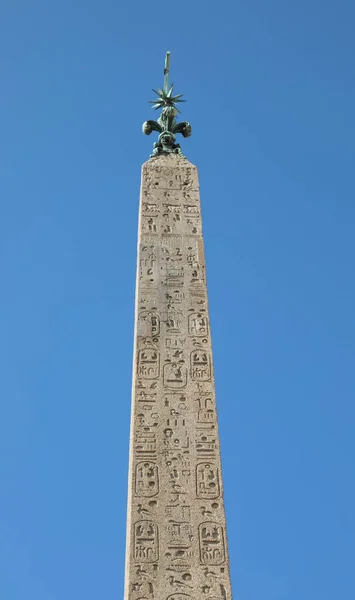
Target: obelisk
column 176, row 529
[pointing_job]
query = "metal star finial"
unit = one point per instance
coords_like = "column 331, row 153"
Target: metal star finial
column 165, row 97
column 166, row 124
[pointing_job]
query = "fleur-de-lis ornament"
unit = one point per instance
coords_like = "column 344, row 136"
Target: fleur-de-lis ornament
column 167, row 125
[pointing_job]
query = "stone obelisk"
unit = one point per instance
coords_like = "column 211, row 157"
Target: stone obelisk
column 176, row 530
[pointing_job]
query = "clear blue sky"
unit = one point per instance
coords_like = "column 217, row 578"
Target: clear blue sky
column 271, row 97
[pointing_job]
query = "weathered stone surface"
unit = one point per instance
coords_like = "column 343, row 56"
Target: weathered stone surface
column 176, row 530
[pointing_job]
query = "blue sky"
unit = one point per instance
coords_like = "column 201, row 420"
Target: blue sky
column 271, row 96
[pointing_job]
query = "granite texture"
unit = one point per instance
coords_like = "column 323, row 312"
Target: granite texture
column 176, row 530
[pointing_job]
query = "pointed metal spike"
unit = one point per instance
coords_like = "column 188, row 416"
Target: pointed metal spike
column 158, row 92
column 166, row 71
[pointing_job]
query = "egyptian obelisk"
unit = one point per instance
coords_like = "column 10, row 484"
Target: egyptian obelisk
column 176, row 528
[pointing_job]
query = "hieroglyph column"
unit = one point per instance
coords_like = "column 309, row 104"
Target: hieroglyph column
column 176, row 529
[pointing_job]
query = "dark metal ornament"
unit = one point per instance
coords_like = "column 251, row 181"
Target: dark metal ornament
column 167, row 124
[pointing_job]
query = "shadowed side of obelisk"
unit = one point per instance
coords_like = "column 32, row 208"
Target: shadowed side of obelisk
column 176, row 533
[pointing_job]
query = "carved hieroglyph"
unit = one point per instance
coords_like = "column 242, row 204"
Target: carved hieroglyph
column 176, row 529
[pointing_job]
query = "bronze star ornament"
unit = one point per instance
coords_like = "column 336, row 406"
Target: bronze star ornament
column 166, row 124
